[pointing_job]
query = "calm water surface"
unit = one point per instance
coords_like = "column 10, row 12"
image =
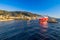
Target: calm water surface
column 28, row 30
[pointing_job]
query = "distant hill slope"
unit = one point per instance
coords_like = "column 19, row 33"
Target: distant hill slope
column 29, row 14
column 14, row 13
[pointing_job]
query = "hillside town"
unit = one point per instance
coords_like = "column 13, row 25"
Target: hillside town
column 6, row 16
column 21, row 15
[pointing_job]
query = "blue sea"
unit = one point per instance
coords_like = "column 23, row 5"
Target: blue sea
column 28, row 30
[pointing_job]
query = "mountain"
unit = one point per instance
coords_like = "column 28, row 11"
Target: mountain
column 14, row 13
column 24, row 14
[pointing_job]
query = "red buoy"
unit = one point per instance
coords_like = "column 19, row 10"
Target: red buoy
column 43, row 22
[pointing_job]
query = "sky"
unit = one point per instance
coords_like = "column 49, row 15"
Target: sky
column 43, row 7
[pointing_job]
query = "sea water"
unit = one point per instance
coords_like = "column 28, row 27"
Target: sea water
column 28, row 30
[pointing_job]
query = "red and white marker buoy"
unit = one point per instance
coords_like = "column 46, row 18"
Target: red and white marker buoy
column 43, row 22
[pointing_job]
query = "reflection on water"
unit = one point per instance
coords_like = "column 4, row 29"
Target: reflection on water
column 44, row 26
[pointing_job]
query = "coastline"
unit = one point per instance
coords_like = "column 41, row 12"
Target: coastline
column 6, row 19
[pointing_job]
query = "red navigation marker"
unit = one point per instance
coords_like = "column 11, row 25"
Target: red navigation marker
column 43, row 22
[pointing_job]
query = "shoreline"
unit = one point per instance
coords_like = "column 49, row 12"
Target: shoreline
column 7, row 20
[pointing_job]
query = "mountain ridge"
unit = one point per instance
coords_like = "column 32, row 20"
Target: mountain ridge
column 24, row 13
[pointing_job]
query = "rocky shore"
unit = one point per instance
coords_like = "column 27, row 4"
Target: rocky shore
column 52, row 20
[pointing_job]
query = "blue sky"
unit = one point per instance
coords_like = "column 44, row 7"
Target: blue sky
column 43, row 7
